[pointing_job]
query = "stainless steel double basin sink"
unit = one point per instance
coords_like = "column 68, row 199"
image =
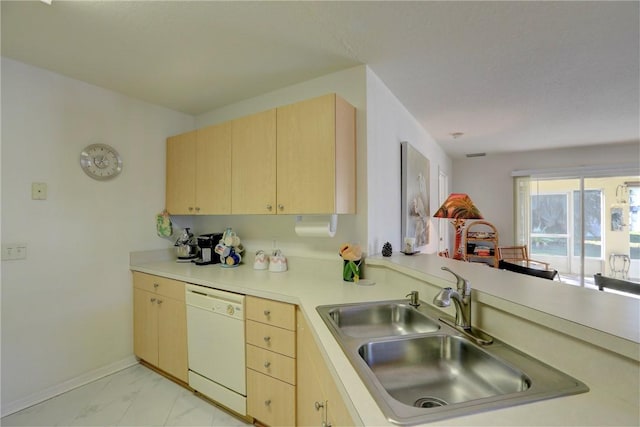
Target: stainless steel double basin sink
column 419, row 369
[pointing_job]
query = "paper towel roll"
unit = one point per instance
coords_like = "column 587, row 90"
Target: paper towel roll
column 317, row 228
column 314, row 229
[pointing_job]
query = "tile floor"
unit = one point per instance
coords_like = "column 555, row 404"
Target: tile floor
column 136, row 396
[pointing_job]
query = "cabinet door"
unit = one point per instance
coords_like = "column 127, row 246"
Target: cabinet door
column 159, row 285
column 315, row 384
column 271, row 338
column 253, row 164
column 145, row 326
column 172, row 337
column 271, row 312
column 271, row 401
column 180, row 189
column 272, row 364
column 213, row 170
column 306, row 157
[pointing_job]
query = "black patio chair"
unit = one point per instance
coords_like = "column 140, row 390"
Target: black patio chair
column 617, row 284
column 544, row 274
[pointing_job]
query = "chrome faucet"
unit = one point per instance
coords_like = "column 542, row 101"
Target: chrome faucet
column 414, row 299
column 461, row 300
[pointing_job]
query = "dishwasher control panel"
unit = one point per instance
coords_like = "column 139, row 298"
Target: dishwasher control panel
column 216, row 301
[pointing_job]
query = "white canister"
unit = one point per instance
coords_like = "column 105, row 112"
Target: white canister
column 261, row 261
column 277, row 262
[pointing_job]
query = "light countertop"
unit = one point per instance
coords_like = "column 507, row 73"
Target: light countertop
column 310, row 283
column 569, row 308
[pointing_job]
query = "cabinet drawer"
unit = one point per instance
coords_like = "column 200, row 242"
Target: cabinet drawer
column 159, row 285
column 269, row 400
column 272, row 364
column 271, row 312
column 271, row 338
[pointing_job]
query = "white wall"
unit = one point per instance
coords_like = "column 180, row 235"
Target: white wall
column 488, row 179
column 67, row 308
column 388, row 124
column 259, row 231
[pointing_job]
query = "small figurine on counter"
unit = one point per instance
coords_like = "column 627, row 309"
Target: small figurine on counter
column 352, row 256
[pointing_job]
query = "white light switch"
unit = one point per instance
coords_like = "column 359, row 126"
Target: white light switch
column 38, row 191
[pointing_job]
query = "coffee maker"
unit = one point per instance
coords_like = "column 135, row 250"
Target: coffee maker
column 206, row 243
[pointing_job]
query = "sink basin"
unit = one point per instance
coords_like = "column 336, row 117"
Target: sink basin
column 381, row 319
column 420, row 369
column 439, row 370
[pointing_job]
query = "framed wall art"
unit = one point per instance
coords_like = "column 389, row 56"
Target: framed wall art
column 415, row 195
column 617, row 219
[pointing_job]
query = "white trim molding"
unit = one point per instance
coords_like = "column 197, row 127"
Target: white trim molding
column 586, row 171
column 55, row 390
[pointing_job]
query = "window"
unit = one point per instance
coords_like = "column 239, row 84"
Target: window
column 592, row 224
column 634, row 222
column 549, row 219
column 549, row 214
column 549, row 229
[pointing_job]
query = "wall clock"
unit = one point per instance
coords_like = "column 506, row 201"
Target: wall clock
column 100, row 161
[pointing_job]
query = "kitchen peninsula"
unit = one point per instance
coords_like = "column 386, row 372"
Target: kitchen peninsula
column 590, row 335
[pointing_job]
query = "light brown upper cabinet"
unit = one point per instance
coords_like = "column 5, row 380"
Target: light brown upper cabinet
column 253, row 164
column 181, row 173
column 199, row 172
column 297, row 159
column 316, row 157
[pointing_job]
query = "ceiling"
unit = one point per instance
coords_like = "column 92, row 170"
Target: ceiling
column 511, row 76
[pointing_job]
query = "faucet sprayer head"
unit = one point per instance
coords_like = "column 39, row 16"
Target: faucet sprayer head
column 461, row 299
column 443, row 299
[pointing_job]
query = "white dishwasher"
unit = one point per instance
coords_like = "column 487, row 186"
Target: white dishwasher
column 215, row 333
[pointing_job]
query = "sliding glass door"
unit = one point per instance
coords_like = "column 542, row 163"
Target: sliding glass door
column 581, row 225
column 549, row 237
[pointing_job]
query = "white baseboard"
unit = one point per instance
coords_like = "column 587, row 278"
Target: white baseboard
column 48, row 393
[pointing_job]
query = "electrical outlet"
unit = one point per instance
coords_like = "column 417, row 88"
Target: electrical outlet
column 14, row 251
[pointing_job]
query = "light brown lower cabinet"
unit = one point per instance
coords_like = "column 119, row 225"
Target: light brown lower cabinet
column 269, row 400
column 288, row 382
column 271, row 361
column 318, row 400
column 160, row 324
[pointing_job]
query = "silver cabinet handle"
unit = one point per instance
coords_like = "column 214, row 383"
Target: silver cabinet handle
column 267, row 339
column 197, row 208
column 281, row 207
column 190, row 208
column 267, row 364
column 269, row 207
column 267, row 313
column 155, row 285
column 159, row 301
column 267, row 402
column 153, row 300
column 323, row 406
